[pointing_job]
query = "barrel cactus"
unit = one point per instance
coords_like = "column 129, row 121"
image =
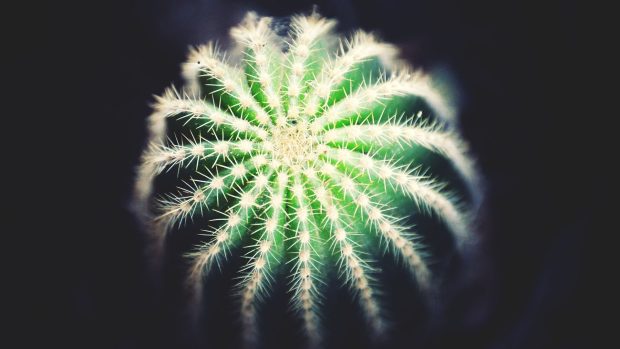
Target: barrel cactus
column 307, row 153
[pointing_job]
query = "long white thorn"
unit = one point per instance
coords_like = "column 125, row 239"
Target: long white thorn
column 354, row 267
column 176, row 209
column 359, row 48
column 173, row 103
column 209, row 63
column 254, row 33
column 425, row 192
column 432, row 137
column 306, row 275
column 306, row 32
column 388, row 227
column 168, row 156
column 369, row 96
column 257, row 275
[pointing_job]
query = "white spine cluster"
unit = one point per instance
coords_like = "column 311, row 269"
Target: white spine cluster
column 292, row 150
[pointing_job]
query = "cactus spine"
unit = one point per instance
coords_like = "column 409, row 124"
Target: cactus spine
column 300, row 149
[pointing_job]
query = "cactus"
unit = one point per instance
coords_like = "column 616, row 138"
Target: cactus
column 306, row 153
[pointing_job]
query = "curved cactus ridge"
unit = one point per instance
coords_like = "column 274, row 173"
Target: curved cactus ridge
column 303, row 149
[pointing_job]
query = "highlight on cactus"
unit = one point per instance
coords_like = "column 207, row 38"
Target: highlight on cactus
column 307, row 153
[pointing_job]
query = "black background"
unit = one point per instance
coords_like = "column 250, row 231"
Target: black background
column 82, row 273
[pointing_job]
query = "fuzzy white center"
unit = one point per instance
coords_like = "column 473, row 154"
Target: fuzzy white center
column 294, row 145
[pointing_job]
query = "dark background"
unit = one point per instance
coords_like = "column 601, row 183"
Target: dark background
column 82, row 276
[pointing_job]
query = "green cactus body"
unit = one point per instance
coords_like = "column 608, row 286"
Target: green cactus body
column 312, row 149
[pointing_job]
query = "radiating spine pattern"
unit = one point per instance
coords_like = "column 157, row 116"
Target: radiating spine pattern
column 302, row 150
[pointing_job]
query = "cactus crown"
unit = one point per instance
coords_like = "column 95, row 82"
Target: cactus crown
column 303, row 151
